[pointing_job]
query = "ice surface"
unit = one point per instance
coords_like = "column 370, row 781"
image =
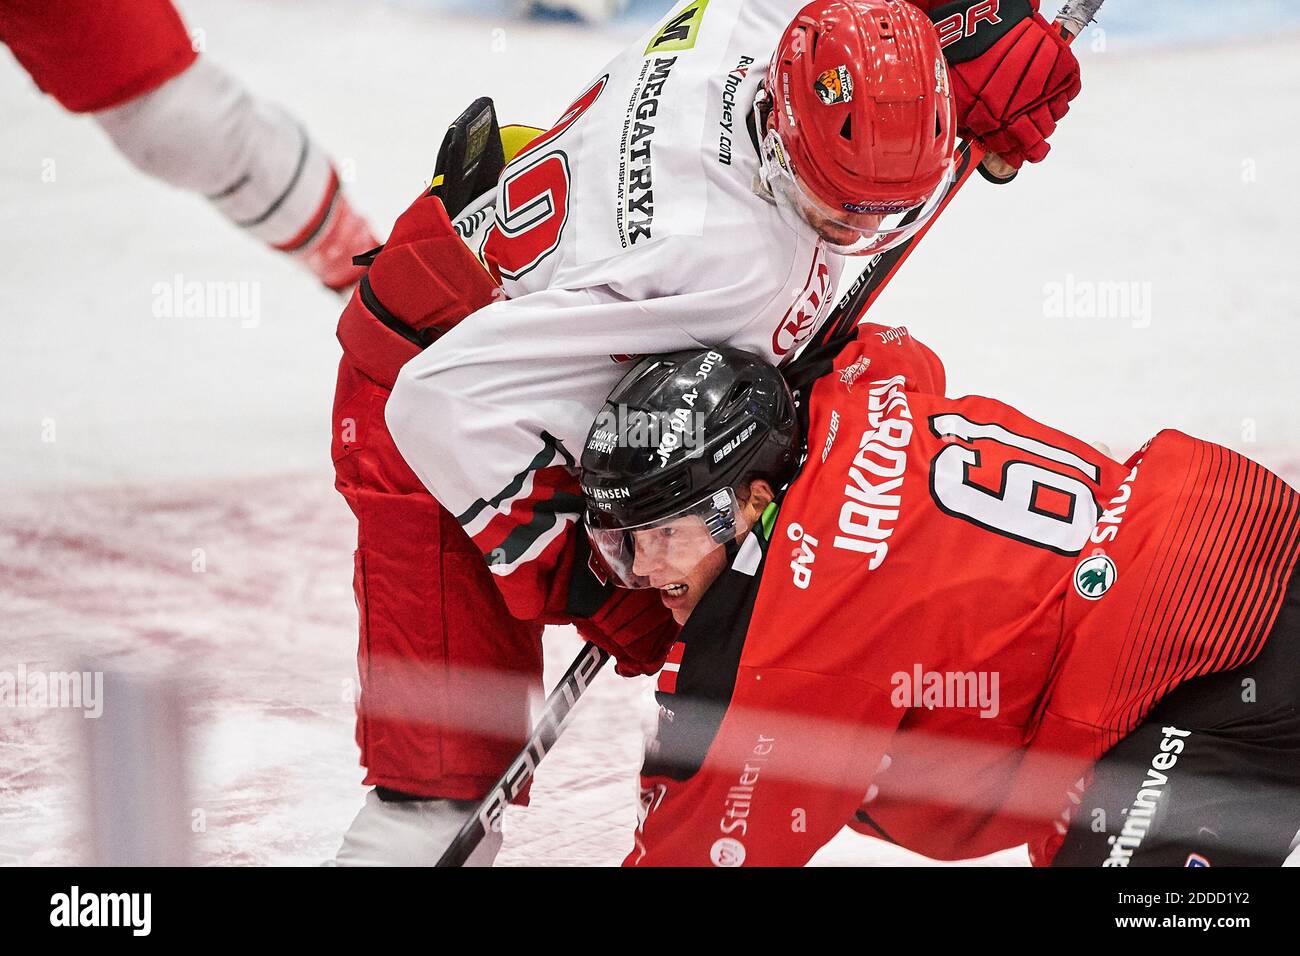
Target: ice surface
column 131, row 439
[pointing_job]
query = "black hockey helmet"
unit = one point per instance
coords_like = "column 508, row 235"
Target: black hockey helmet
column 677, row 434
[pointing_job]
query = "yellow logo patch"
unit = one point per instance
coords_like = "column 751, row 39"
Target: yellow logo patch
column 680, row 31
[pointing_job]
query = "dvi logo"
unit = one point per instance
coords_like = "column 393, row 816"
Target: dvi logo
column 803, row 556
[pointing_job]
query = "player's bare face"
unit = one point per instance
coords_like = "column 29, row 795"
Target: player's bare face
column 681, row 560
column 833, row 232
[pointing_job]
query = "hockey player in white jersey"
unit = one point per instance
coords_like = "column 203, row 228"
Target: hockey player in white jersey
column 704, row 187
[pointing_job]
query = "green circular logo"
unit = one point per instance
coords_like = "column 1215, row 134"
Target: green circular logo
column 1094, row 577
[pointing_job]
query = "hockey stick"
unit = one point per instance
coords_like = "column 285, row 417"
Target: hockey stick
column 866, row 288
column 1071, row 20
column 559, row 706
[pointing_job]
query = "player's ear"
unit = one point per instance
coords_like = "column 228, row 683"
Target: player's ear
column 754, row 496
column 760, row 494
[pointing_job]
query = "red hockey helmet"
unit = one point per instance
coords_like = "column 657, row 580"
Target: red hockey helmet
column 859, row 139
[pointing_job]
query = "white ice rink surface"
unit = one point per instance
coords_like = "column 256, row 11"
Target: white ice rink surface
column 128, row 439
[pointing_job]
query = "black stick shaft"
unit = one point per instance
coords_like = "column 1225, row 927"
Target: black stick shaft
column 559, row 707
column 867, row 287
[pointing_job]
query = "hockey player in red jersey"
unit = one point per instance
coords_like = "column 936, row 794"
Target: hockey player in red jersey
column 705, row 186
column 131, row 65
column 950, row 616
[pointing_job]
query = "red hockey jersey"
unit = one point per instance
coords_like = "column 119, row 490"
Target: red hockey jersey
column 955, row 611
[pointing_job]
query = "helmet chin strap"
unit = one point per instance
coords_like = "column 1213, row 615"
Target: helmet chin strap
column 754, row 123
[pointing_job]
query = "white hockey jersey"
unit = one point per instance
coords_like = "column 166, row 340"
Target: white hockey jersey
column 630, row 228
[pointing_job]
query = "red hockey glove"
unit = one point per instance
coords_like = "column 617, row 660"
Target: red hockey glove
column 419, row 284
column 1013, row 75
column 425, row 275
column 635, row 627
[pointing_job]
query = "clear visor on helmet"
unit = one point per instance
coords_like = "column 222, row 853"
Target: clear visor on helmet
column 872, row 229
column 662, row 552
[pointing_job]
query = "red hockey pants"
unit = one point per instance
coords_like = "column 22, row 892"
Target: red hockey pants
column 446, row 672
